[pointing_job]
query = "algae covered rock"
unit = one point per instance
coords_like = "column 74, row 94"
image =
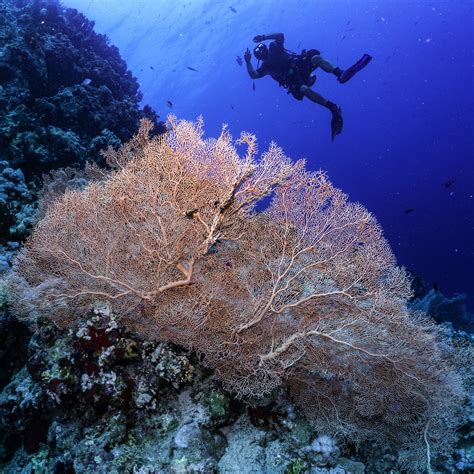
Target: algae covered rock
column 88, row 376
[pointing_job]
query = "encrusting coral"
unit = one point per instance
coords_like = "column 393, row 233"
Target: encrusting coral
column 304, row 293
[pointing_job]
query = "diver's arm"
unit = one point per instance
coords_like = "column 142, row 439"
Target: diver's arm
column 250, row 69
column 252, row 72
column 278, row 37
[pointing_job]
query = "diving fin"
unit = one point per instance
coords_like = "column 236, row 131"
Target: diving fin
column 355, row 68
column 336, row 122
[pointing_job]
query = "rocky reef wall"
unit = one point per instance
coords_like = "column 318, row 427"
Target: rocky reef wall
column 65, row 94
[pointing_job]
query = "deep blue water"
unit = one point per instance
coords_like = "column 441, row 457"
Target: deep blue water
column 409, row 124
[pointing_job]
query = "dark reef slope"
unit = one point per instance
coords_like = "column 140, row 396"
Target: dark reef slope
column 65, row 94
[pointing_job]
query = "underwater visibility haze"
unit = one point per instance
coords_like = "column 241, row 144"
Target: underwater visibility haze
column 236, row 236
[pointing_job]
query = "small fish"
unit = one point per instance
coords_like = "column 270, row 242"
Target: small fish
column 232, row 9
column 448, row 183
column 239, row 61
column 299, row 44
column 231, row 106
column 151, row 67
column 343, row 37
column 86, row 81
column 192, row 69
column 409, row 210
column 348, row 23
column 253, row 86
column 169, row 103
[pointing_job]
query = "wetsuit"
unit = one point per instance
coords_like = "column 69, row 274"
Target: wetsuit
column 290, row 70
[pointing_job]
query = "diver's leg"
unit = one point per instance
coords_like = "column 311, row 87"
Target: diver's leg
column 325, row 65
column 313, row 96
column 336, row 121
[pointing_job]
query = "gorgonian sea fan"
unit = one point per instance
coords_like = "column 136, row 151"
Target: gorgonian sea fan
column 304, row 294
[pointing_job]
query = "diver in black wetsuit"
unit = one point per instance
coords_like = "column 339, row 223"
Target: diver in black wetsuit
column 294, row 72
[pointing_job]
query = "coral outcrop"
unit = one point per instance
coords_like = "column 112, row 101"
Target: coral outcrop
column 93, row 369
column 97, row 398
column 65, row 94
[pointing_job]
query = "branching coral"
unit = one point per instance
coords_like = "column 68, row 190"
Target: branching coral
column 304, row 294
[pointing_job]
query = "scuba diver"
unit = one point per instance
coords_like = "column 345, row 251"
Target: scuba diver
column 294, row 72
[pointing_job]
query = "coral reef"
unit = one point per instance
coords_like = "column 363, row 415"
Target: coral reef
column 65, row 94
column 13, row 348
column 97, row 398
column 17, row 212
column 93, row 369
column 303, row 295
column 443, row 309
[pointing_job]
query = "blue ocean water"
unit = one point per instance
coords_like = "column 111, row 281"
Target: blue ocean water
column 407, row 148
